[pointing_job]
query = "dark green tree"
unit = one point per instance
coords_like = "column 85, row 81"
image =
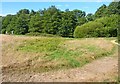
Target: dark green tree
column 23, row 11
column 12, row 25
column 68, row 24
column 35, row 24
column 5, row 22
column 101, row 12
column 113, row 8
column 90, row 17
column 32, row 12
column 80, row 16
column 22, row 24
column 51, row 19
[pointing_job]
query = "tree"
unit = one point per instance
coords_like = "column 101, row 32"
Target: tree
column 80, row 16
column 23, row 11
column 22, row 24
column 5, row 22
column 35, row 24
column 12, row 25
column 32, row 13
column 113, row 8
column 90, row 17
column 68, row 24
column 63, row 23
column 102, row 11
column 51, row 19
column 79, row 13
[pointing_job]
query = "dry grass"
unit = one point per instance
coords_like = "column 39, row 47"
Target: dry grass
column 71, row 52
column 9, row 53
column 98, row 42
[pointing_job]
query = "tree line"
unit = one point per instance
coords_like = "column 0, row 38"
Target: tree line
column 50, row 21
column 54, row 21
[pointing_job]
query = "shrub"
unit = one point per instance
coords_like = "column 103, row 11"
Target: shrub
column 87, row 30
column 102, row 27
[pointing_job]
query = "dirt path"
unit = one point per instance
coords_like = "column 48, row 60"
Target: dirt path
column 103, row 69
column 113, row 41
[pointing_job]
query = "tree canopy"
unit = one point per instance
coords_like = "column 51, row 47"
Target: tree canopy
column 63, row 23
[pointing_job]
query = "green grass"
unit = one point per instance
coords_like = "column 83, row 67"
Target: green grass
column 40, row 45
column 91, row 48
column 55, row 51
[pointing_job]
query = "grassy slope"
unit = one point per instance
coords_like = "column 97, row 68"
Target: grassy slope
column 48, row 53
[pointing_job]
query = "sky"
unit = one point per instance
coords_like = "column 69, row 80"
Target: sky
column 14, row 7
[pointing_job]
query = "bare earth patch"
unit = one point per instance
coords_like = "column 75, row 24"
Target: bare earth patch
column 103, row 69
column 99, row 70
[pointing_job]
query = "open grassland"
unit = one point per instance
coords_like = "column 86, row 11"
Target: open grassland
column 28, row 54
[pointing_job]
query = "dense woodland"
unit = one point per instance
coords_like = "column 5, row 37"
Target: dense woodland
column 75, row 23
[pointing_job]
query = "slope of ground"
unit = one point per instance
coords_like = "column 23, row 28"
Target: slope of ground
column 22, row 61
column 104, row 70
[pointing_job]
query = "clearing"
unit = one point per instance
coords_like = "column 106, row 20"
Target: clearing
column 38, row 59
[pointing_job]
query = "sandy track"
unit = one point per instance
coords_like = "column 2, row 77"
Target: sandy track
column 113, row 41
column 103, row 69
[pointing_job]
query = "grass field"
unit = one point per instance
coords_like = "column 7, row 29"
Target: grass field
column 42, row 54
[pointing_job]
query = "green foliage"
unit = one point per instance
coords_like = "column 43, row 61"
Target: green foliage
column 5, row 22
column 12, row 26
column 80, row 16
column 23, row 11
column 22, row 24
column 63, row 23
column 16, row 23
column 90, row 17
column 0, row 23
column 103, row 27
column 87, row 30
column 35, row 24
column 68, row 24
column 51, row 20
column 101, row 12
column 113, row 8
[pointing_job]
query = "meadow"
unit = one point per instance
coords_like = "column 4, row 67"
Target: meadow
column 42, row 54
column 55, row 45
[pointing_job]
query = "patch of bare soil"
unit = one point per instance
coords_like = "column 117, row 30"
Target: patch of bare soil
column 103, row 69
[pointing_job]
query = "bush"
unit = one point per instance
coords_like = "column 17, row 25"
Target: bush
column 87, row 30
column 102, row 27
